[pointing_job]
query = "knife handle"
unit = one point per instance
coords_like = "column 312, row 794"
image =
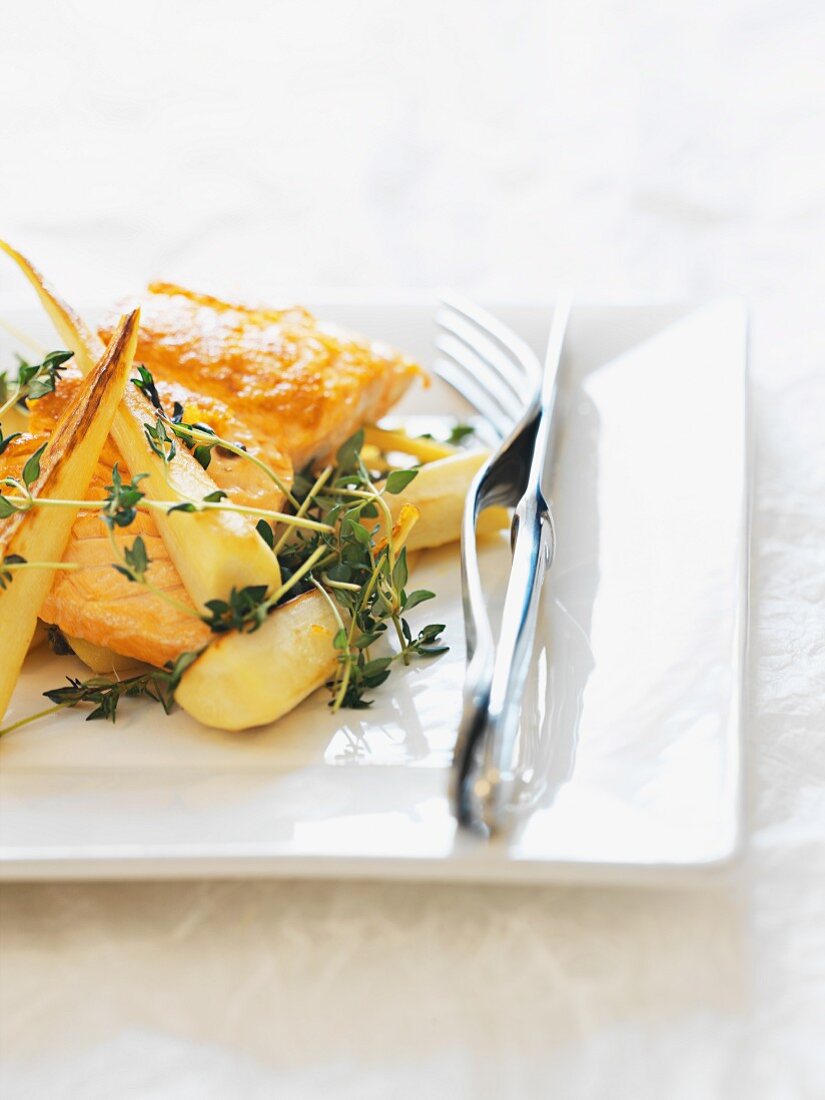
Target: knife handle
column 534, row 543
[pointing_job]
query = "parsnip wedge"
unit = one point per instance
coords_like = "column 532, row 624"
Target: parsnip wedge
column 439, row 491
column 66, row 468
column 100, row 659
column 212, row 551
column 245, row 680
column 425, row 450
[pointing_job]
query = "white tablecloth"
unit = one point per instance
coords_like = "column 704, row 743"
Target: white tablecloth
column 639, row 150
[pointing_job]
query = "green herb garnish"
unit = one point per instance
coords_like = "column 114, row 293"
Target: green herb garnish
column 136, row 562
column 33, row 380
column 122, row 499
column 460, row 432
column 105, row 694
column 146, row 384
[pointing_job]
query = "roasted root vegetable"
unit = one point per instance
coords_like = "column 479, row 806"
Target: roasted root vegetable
column 212, row 551
column 439, row 491
column 65, row 470
column 100, row 659
column 388, row 440
column 245, row 680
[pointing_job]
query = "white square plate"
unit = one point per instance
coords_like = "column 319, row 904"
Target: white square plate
column 631, row 731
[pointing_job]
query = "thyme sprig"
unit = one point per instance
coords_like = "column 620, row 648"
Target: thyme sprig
column 200, row 439
column 123, row 499
column 146, row 384
column 13, row 563
column 157, row 684
column 33, row 380
column 136, row 562
column 30, row 474
column 104, row 694
column 365, row 572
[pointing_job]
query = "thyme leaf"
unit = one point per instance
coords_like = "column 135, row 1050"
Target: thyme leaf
column 159, row 440
column 146, row 384
column 136, row 562
column 6, row 439
column 399, row 480
column 31, row 471
column 264, row 529
column 6, row 575
column 122, row 499
column 460, row 432
column 244, row 610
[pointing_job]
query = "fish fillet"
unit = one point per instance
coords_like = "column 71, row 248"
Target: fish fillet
column 287, row 387
column 285, row 376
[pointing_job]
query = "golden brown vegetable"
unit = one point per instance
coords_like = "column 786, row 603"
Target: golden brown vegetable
column 66, row 466
column 99, row 659
column 245, row 680
column 388, row 440
column 439, row 491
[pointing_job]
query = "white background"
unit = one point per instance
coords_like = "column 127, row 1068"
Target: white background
column 640, row 151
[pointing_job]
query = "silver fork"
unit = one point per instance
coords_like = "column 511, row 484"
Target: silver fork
column 499, row 375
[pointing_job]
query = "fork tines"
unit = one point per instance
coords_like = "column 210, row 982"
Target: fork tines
column 487, row 364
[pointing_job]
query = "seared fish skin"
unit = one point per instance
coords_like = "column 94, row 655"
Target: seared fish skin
column 242, row 481
column 305, row 385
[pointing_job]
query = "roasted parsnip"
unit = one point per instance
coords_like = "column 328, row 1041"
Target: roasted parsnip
column 425, row 450
column 245, row 680
column 100, row 659
column 439, row 491
column 66, row 468
column 212, row 551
